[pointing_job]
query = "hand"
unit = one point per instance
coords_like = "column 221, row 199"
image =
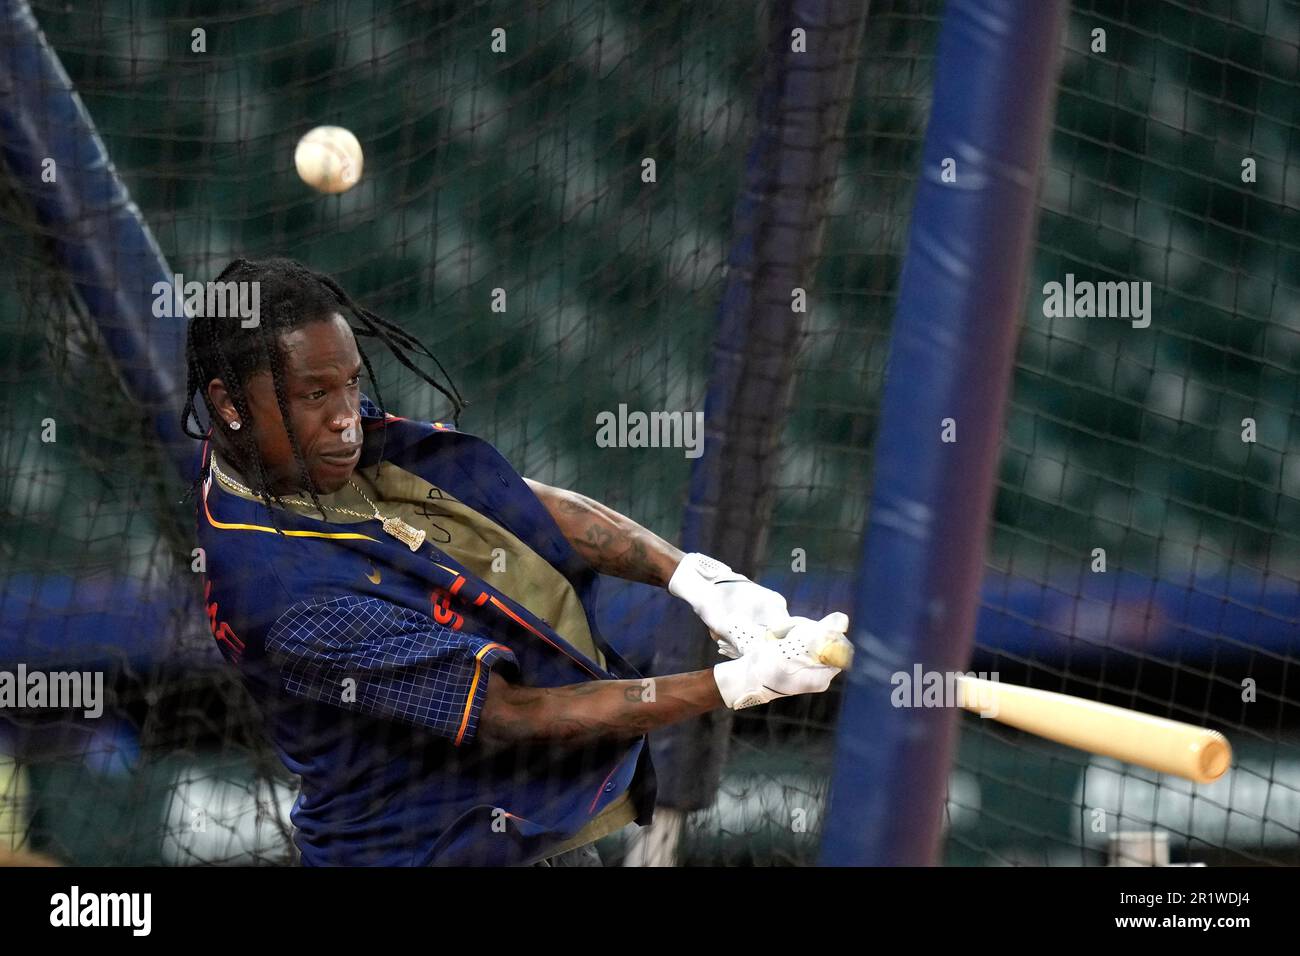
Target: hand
column 780, row 666
column 725, row 600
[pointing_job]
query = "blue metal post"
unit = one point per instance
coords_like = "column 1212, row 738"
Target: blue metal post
column 97, row 232
column 951, row 355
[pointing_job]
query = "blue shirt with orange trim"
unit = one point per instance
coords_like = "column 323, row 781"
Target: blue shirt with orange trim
column 370, row 664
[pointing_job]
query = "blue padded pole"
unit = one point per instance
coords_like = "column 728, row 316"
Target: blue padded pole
column 96, row 230
column 954, row 336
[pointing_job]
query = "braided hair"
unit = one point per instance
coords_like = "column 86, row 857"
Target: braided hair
column 290, row 296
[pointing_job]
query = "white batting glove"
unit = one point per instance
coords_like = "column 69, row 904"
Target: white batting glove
column 725, row 600
column 769, row 668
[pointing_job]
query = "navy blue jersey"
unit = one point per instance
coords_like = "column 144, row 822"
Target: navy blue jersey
column 370, row 664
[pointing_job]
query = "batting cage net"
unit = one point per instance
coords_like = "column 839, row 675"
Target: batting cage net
column 561, row 200
column 1144, row 551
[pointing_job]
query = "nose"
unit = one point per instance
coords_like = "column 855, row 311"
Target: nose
column 347, row 420
column 349, row 429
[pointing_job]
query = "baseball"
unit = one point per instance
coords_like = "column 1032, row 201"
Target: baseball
column 329, row 159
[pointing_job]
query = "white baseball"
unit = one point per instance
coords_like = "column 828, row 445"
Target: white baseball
column 329, row 159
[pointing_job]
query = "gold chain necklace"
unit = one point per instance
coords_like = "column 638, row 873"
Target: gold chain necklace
column 411, row 536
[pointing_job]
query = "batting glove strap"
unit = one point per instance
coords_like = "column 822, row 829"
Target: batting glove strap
column 724, row 599
column 739, row 686
column 696, row 575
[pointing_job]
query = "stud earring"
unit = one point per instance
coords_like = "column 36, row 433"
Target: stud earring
column 234, row 426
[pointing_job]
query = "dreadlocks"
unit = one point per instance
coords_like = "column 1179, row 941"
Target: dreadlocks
column 291, row 296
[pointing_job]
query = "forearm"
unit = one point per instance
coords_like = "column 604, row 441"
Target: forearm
column 580, row 714
column 610, row 542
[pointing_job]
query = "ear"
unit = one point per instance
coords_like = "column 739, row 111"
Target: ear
column 221, row 401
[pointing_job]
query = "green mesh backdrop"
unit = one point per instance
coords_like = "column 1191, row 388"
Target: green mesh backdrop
column 1129, row 441
column 521, row 171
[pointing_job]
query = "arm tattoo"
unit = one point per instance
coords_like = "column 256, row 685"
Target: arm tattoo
column 610, row 542
column 580, row 714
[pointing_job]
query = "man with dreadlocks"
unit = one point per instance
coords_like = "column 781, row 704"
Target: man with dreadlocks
column 416, row 620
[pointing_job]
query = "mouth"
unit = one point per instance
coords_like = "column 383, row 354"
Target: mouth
column 341, row 459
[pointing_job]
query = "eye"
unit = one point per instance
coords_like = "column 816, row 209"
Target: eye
column 354, row 380
column 319, row 393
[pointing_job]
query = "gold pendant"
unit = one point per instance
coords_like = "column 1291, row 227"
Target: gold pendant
column 399, row 529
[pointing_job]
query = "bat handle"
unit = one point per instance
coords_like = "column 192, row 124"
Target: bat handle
column 836, row 652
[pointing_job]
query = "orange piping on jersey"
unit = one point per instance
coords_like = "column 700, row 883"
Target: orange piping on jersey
column 519, row 620
column 592, row 809
column 473, row 686
column 386, row 420
column 389, row 419
column 514, row 816
column 458, row 584
column 483, row 597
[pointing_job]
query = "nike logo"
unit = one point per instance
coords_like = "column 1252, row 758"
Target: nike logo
column 375, row 577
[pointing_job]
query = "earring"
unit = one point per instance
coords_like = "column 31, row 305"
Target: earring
column 234, row 426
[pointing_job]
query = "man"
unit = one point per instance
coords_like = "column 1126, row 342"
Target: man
column 417, row 621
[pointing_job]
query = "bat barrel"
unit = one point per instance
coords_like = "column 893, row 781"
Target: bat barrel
column 1215, row 756
column 1160, row 744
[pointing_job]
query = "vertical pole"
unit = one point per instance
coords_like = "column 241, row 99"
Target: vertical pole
column 776, row 243
column 62, row 171
column 951, row 355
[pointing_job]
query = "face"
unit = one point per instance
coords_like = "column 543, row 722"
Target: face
column 322, row 372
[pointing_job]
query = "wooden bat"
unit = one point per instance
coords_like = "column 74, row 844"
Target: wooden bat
column 837, row 652
column 1160, row 744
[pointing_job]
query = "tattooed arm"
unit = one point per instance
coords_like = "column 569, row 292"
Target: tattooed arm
column 580, row 714
column 610, row 542
column 726, row 601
